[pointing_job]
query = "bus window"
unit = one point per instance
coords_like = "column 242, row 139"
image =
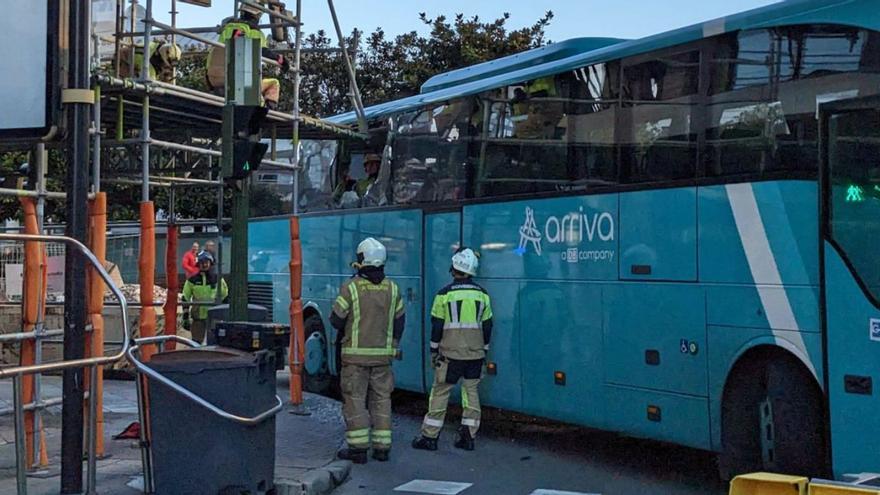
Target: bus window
column 591, row 112
column 765, row 88
column 317, row 159
column 431, row 153
column 657, row 131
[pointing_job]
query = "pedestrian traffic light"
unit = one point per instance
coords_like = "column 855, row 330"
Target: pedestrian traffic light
column 243, row 152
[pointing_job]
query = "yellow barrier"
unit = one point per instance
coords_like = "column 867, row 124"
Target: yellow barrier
column 768, row 484
column 819, row 487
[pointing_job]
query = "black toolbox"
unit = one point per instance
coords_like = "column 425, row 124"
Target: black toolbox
column 252, row 337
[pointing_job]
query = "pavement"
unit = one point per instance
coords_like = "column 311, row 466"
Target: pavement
column 305, row 445
column 520, row 455
column 515, row 455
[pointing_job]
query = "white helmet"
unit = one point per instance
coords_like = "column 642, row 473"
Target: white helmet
column 371, row 252
column 466, row 261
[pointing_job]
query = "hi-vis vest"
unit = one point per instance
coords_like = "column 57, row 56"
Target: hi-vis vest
column 216, row 63
column 370, row 310
column 463, row 307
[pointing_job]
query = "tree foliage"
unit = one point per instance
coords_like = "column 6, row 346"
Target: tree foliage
column 387, row 68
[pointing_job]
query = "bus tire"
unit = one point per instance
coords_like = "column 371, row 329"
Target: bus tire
column 797, row 409
column 775, row 390
column 319, row 381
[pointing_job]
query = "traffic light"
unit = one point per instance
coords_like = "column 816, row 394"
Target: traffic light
column 243, row 152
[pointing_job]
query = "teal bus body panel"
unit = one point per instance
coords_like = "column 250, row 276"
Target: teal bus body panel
column 683, row 419
column 268, row 261
column 658, row 232
column 561, row 330
column 787, row 211
column 665, row 319
column 853, row 350
column 572, row 238
column 504, row 389
column 442, row 238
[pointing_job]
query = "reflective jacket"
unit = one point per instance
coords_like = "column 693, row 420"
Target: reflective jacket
column 202, row 287
column 371, row 316
column 461, row 321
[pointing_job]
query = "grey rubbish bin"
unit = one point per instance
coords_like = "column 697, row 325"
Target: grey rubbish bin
column 197, row 452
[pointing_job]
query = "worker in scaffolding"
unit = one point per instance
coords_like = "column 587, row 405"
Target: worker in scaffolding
column 247, row 25
column 164, row 58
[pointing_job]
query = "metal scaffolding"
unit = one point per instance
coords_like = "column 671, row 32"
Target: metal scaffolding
column 149, row 133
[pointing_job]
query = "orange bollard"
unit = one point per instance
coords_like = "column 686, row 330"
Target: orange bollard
column 146, row 274
column 297, row 332
column 95, row 305
column 172, row 285
column 33, row 291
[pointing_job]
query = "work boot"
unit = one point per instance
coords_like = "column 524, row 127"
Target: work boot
column 465, row 440
column 380, row 455
column 424, row 443
column 357, row 456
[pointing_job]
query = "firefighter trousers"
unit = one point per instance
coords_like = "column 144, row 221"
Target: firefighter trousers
column 447, row 374
column 366, row 405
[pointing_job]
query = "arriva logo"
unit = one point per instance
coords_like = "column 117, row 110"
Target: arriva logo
column 572, row 228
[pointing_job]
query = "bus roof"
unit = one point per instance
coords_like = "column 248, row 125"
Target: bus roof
column 544, row 62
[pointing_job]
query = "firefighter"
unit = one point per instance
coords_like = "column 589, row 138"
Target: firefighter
column 247, row 26
column 369, row 316
column 202, row 287
column 461, row 327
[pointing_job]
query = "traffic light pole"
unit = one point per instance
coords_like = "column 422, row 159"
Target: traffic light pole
column 243, row 88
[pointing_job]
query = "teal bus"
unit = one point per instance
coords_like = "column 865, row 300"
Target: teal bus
column 677, row 232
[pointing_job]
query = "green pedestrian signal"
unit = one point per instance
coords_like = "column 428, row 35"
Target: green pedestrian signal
column 855, row 194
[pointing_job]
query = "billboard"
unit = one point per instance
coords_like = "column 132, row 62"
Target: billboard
column 29, row 100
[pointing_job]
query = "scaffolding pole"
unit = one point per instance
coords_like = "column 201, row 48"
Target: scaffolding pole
column 355, row 92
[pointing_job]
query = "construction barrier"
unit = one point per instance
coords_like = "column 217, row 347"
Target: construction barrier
column 146, row 271
column 297, row 332
column 768, row 484
column 35, row 281
column 97, row 236
column 172, row 285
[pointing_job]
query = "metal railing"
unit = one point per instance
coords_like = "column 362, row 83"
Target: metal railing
column 159, row 340
column 17, row 372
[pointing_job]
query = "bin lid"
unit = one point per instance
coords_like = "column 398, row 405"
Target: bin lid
column 203, row 358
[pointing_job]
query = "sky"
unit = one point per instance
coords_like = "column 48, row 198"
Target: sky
column 573, row 18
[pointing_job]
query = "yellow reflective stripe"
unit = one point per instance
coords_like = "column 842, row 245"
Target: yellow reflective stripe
column 399, row 305
column 389, row 342
column 342, row 303
column 357, row 434
column 367, row 351
column 464, row 399
column 381, row 441
column 356, row 322
column 382, row 433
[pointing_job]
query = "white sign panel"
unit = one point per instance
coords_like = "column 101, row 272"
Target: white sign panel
column 13, row 273
column 23, row 63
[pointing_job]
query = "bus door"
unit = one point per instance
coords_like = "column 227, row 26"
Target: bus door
column 442, row 238
column 850, row 249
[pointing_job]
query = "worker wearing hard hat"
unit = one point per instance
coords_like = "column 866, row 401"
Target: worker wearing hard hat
column 164, row 58
column 461, row 327
column 369, row 316
column 247, row 26
column 203, row 287
column 349, row 190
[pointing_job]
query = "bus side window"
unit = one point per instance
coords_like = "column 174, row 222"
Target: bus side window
column 658, row 135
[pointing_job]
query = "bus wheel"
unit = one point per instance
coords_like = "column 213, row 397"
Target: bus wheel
column 772, row 419
column 317, row 377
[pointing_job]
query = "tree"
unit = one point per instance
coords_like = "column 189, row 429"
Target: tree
column 387, row 69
